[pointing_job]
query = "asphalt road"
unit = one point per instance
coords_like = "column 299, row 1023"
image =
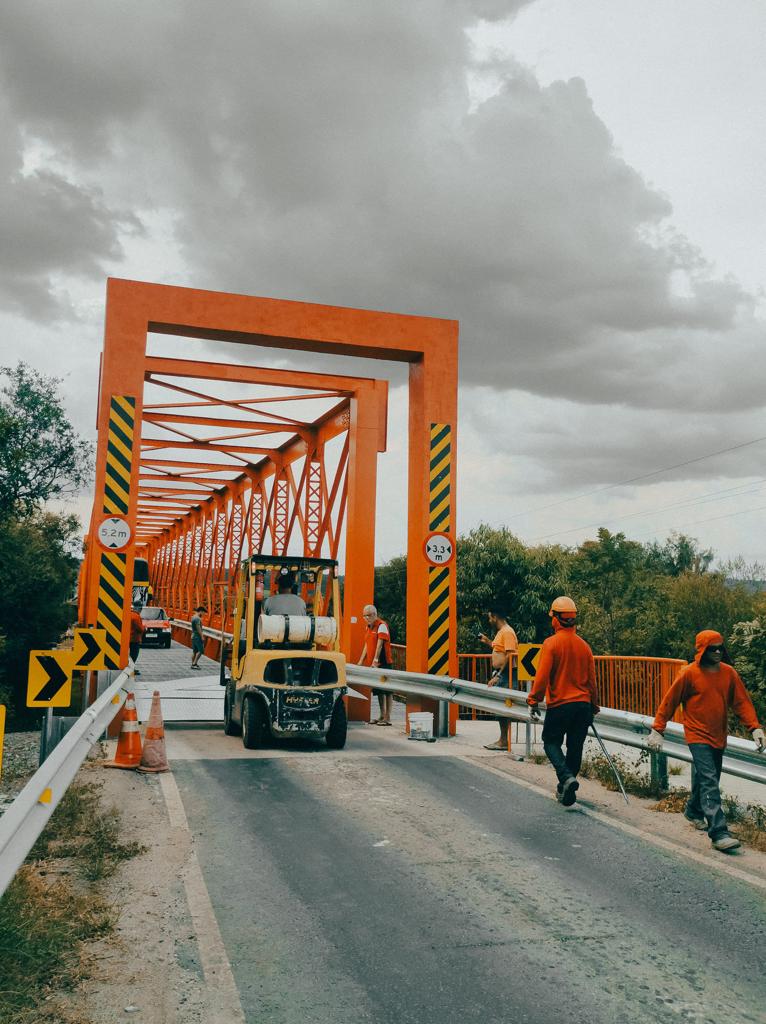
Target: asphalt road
column 427, row 890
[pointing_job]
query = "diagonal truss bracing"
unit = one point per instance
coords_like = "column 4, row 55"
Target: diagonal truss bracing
column 223, row 475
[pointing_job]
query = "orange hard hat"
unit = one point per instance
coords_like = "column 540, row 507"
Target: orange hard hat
column 563, row 606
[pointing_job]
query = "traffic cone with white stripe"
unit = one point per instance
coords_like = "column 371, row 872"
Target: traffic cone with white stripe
column 128, row 752
column 154, row 758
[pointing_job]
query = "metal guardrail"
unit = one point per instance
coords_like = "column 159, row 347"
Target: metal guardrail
column 30, row 812
column 208, row 631
column 742, row 759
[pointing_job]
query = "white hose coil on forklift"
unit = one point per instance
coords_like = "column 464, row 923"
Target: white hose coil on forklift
column 298, row 629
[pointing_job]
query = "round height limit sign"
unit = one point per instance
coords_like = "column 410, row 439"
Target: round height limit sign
column 114, row 533
column 439, row 548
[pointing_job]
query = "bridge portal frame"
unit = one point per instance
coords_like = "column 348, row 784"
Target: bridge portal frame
column 429, row 345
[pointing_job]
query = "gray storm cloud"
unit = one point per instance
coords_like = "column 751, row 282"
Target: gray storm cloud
column 334, row 152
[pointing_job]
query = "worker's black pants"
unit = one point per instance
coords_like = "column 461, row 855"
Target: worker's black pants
column 705, row 799
column 570, row 722
column 135, row 650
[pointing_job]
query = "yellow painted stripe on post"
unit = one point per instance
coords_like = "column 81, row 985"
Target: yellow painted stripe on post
column 439, row 577
column 112, row 582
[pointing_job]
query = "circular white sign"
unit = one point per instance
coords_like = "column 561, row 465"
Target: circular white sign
column 114, row 533
column 439, row 548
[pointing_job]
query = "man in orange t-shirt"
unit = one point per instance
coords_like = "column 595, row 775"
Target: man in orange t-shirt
column 707, row 688
column 566, row 678
column 505, row 649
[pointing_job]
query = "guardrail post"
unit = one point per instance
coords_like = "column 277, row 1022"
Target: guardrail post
column 658, row 767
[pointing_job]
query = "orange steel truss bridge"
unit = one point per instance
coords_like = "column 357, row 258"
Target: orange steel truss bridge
column 202, row 463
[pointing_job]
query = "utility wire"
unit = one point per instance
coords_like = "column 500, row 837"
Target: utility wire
column 635, row 479
column 731, row 492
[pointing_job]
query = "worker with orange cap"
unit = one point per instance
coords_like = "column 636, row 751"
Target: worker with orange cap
column 566, row 677
column 707, row 688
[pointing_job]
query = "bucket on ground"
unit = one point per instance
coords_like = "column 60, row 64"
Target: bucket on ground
column 421, row 725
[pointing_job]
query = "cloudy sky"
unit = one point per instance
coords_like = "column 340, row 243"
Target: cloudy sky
column 580, row 184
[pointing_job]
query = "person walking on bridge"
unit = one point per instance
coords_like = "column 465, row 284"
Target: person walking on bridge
column 197, row 636
column 566, row 677
column 136, row 634
column 377, row 653
column 707, row 688
column 505, row 650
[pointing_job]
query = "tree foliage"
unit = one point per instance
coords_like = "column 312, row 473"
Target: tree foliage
column 634, row 599
column 38, row 574
column 41, row 456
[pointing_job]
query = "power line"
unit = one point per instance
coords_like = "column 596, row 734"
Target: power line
column 727, row 515
column 739, row 491
column 635, row 479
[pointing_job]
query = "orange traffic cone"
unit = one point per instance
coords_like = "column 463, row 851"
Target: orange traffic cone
column 154, row 758
column 128, row 753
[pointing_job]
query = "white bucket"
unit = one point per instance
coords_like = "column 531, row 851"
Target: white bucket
column 421, row 725
column 297, row 629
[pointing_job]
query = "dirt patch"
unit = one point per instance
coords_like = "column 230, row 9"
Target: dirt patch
column 148, row 969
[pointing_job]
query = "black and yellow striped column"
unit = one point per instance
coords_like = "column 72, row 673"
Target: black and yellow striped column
column 439, row 519
column 113, row 567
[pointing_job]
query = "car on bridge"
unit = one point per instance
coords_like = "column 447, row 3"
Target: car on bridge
column 156, row 626
column 287, row 676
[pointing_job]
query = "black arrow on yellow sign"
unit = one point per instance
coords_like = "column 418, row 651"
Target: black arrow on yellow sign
column 529, row 655
column 57, row 677
column 90, row 648
column 529, row 659
column 50, row 679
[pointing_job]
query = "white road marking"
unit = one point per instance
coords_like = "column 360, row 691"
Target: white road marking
column 224, row 1005
column 631, row 830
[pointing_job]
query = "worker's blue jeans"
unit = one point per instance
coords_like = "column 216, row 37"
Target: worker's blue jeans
column 705, row 799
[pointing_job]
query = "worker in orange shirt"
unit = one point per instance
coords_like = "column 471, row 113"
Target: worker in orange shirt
column 566, row 677
column 136, row 634
column 707, row 688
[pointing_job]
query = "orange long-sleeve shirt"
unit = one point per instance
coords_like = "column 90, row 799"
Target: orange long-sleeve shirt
column 706, row 698
column 566, row 672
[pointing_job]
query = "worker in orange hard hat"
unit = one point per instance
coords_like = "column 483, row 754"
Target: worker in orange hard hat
column 566, row 678
column 707, row 688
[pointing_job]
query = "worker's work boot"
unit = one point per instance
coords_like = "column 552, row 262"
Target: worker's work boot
column 569, row 791
column 699, row 823
column 725, row 843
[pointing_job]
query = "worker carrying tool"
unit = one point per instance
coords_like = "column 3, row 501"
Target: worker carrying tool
column 706, row 688
column 566, row 677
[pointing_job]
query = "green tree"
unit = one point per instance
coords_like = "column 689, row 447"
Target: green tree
column 679, row 554
column 747, row 646
column 610, row 583
column 391, row 596
column 39, row 574
column 41, row 456
column 494, row 568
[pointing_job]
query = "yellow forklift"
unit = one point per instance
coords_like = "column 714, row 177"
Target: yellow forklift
column 287, row 676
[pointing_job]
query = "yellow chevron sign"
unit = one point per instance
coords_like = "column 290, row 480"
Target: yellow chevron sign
column 49, row 682
column 90, row 649
column 529, row 656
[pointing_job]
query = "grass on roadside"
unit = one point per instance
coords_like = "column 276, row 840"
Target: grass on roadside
column 82, row 829
column 635, row 776
column 43, row 924
column 50, row 911
column 746, row 821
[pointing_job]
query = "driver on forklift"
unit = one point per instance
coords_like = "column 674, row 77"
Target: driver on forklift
column 285, row 602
